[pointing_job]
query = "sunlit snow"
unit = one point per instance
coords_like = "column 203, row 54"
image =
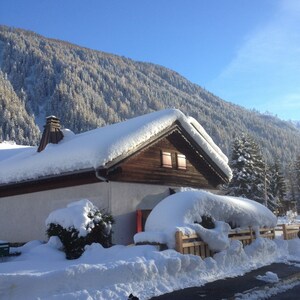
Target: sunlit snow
column 42, row 271
column 184, row 211
column 97, row 147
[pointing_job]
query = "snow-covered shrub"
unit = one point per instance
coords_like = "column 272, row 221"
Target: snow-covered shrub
column 208, row 215
column 80, row 224
column 291, row 216
column 207, row 222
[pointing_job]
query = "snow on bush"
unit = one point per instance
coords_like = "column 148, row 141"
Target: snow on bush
column 187, row 210
column 80, row 224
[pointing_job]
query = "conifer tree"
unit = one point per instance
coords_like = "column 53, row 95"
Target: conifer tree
column 294, row 181
column 250, row 179
column 277, row 187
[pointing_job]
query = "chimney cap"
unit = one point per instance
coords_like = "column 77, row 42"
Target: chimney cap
column 52, row 117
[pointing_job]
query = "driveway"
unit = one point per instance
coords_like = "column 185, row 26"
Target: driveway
column 246, row 286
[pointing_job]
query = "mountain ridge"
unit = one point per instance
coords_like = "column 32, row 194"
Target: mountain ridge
column 88, row 88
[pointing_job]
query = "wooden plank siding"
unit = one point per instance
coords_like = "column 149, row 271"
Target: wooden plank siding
column 146, row 167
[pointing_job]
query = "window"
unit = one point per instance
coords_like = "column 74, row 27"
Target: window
column 181, row 161
column 166, row 159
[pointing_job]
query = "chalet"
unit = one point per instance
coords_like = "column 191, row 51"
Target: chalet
column 122, row 168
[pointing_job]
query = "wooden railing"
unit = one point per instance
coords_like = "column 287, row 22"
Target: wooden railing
column 289, row 231
column 192, row 244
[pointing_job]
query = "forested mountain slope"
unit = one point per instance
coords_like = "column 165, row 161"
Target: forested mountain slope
column 87, row 88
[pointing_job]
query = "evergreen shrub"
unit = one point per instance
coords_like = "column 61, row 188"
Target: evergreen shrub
column 97, row 230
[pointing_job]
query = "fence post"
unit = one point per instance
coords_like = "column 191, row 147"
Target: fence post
column 252, row 237
column 178, row 237
column 284, row 229
column 273, row 233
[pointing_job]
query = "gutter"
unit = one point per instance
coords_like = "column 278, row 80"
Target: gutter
column 100, row 177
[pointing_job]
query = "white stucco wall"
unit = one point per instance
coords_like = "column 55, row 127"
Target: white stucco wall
column 22, row 218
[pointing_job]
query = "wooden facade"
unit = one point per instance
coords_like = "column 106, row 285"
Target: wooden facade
column 146, row 166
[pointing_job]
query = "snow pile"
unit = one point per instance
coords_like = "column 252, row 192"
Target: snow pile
column 76, row 215
column 96, row 148
column 119, row 271
column 270, row 277
column 184, row 211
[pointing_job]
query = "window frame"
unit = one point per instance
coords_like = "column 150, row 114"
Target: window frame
column 166, row 159
column 181, row 161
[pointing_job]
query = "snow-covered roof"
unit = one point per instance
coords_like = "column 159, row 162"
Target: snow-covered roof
column 96, row 148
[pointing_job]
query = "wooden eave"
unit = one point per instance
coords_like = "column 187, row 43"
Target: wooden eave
column 210, row 162
column 49, row 183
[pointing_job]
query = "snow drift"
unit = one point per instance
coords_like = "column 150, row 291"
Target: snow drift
column 185, row 210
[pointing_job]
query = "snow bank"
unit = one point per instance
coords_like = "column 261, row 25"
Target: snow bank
column 184, row 211
column 117, row 272
column 97, row 147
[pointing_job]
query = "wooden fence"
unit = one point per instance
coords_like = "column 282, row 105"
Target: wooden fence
column 289, row 231
column 192, row 244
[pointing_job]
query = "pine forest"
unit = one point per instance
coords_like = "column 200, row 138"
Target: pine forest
column 87, row 89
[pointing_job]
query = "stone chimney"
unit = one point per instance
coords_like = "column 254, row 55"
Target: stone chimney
column 52, row 133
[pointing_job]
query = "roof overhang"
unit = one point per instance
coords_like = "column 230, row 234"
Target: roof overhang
column 80, row 177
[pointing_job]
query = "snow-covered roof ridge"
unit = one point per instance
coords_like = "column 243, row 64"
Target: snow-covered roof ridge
column 207, row 144
column 207, row 137
column 96, row 148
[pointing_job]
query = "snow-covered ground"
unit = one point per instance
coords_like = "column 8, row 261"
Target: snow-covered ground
column 42, row 272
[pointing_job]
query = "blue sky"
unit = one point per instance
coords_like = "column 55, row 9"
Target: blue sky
column 244, row 51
